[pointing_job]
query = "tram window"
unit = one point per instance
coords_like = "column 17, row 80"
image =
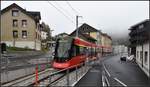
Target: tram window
column 74, row 51
column 82, row 49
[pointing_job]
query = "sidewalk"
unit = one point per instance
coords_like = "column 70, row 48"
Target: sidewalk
column 92, row 78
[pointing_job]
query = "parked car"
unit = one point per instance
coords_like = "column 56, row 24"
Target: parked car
column 123, row 57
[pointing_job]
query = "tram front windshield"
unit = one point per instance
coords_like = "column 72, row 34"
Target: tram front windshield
column 62, row 51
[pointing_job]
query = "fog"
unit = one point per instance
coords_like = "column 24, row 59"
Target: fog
column 112, row 17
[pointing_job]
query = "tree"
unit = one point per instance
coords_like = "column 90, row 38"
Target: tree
column 46, row 28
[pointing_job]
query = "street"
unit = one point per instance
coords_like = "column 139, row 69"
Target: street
column 116, row 72
column 128, row 73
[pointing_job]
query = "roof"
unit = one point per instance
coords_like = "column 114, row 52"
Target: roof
column 34, row 15
column 62, row 34
column 105, row 34
column 132, row 27
column 85, row 28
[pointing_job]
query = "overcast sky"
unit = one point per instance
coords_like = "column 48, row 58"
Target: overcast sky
column 112, row 17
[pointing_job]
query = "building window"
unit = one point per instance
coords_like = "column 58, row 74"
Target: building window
column 145, row 56
column 24, row 34
column 15, row 34
column 24, row 23
column 15, row 23
column 15, row 13
column 141, row 55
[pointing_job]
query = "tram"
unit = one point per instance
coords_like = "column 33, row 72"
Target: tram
column 71, row 51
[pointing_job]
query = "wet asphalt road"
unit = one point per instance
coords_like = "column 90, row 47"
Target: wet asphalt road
column 117, row 73
column 128, row 73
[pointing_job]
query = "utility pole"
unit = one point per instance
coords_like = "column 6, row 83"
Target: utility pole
column 77, row 31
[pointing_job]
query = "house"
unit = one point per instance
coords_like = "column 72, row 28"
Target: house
column 106, row 42
column 86, row 32
column 140, row 44
column 44, row 36
column 61, row 35
column 20, row 28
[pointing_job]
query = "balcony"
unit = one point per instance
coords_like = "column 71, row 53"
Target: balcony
column 138, row 39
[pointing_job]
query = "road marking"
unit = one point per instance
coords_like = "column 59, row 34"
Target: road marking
column 106, row 70
column 120, row 82
column 108, row 84
column 103, row 83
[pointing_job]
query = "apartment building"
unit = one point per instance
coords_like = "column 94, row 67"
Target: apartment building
column 20, row 28
column 95, row 36
column 140, row 44
column 86, row 32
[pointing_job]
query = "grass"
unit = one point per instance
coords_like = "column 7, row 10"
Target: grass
column 44, row 49
column 18, row 49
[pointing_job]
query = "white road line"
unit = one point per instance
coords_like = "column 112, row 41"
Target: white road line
column 120, row 82
column 106, row 71
column 103, row 83
column 107, row 81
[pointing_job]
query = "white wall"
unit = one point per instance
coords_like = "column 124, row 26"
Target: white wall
column 145, row 67
column 23, row 44
column 146, row 48
column 138, row 49
column 38, row 46
column 29, row 44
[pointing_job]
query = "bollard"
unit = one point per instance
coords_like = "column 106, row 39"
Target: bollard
column 3, row 48
column 36, row 75
column 67, row 77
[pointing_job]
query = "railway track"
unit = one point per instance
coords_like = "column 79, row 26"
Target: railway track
column 30, row 79
column 48, row 77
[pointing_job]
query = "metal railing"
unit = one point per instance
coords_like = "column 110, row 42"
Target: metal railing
column 56, row 76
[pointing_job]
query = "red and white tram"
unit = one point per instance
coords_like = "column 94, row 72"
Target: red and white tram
column 72, row 51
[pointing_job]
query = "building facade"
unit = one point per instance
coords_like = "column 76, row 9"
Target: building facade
column 93, row 35
column 86, row 32
column 140, row 44
column 44, row 35
column 117, row 49
column 20, row 28
column 106, row 41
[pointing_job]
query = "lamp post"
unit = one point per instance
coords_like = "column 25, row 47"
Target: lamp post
column 50, row 45
column 77, row 31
